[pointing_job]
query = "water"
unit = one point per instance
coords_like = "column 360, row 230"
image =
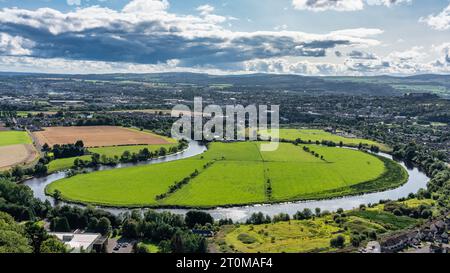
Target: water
column 416, row 181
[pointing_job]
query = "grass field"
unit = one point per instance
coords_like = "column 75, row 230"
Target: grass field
column 314, row 135
column 14, row 137
column 311, row 235
column 238, row 176
column 290, row 237
column 67, row 163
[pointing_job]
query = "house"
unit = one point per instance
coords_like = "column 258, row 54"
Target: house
column 80, row 242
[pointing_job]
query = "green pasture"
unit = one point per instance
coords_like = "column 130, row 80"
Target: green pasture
column 14, row 137
column 239, row 174
column 314, row 135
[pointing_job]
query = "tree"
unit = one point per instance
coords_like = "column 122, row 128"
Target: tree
column 57, row 195
column 36, row 234
column 12, row 236
column 198, row 217
column 338, row 242
column 53, row 245
column 104, row 226
column 60, row 224
column 130, row 229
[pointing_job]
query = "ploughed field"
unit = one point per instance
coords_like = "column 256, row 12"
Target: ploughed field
column 15, row 148
column 98, row 136
column 236, row 174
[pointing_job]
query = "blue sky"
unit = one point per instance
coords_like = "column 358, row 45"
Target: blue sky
column 308, row 37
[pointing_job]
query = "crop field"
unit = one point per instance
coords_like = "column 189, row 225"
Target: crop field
column 67, row 163
column 238, row 174
column 314, row 135
column 15, row 149
column 14, row 137
column 98, row 136
column 12, row 155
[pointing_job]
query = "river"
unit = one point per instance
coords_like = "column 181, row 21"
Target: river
column 416, row 181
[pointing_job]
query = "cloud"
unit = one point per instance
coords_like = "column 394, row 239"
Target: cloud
column 361, row 55
column 342, row 5
column 73, row 2
column 440, row 21
column 322, row 5
column 14, row 45
column 407, row 62
column 205, row 9
column 144, row 32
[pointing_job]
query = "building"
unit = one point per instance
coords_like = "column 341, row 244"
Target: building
column 81, row 242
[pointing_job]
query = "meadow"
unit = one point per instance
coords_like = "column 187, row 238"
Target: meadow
column 14, row 137
column 67, row 163
column 238, row 174
column 314, row 135
column 309, row 235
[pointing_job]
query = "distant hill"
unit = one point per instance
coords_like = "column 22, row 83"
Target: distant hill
column 376, row 85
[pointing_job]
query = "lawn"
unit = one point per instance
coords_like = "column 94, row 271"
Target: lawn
column 67, row 163
column 314, row 135
column 239, row 174
column 14, row 137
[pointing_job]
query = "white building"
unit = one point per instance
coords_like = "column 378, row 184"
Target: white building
column 76, row 242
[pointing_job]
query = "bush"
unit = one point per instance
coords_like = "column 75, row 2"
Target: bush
column 246, row 239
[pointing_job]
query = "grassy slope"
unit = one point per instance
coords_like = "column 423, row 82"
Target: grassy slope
column 237, row 177
column 293, row 236
column 14, row 137
column 306, row 235
column 67, row 163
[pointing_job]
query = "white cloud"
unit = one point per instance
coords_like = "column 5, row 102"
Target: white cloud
column 73, row 2
column 440, row 21
column 205, row 9
column 14, row 45
column 322, row 5
column 146, row 32
column 342, row 5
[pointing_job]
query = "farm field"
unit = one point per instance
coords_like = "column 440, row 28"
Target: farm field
column 14, row 137
column 238, row 174
column 98, row 136
column 15, row 148
column 67, row 163
column 314, row 135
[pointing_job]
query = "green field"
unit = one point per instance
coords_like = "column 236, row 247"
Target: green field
column 239, row 174
column 290, row 237
column 314, row 135
column 67, row 163
column 312, row 235
column 14, row 137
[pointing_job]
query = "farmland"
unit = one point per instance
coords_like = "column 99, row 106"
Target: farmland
column 290, row 173
column 15, row 149
column 98, row 136
column 14, row 137
column 314, row 135
column 112, row 151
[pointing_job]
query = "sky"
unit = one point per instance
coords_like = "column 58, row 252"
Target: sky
column 305, row 37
